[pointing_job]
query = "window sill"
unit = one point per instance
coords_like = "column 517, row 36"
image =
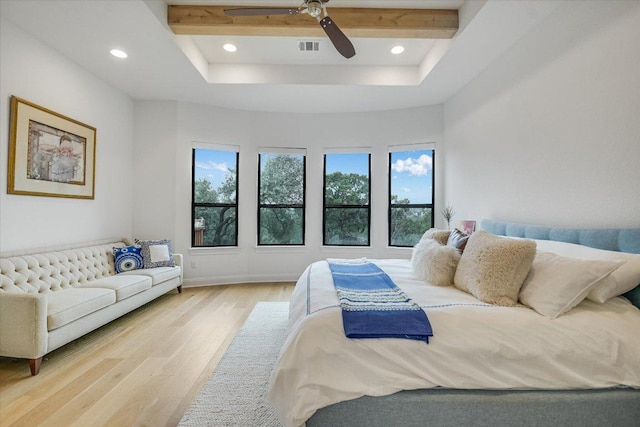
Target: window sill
column 220, row 250
column 336, row 248
column 280, row 249
column 399, row 249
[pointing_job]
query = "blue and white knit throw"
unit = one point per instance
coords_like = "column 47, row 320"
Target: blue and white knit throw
column 375, row 307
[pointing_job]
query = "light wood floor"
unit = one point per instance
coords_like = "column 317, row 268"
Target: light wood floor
column 143, row 369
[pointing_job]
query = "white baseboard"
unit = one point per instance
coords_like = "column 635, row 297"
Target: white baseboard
column 230, row 280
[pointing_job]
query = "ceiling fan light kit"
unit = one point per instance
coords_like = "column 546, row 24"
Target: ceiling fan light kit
column 314, row 8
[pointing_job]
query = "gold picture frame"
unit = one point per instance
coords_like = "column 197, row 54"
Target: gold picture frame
column 50, row 154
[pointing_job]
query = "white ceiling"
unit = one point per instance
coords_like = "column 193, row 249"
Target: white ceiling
column 284, row 50
column 270, row 73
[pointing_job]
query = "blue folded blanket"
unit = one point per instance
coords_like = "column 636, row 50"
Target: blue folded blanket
column 373, row 306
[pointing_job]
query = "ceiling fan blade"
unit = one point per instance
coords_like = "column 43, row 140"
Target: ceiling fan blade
column 261, row 11
column 337, row 37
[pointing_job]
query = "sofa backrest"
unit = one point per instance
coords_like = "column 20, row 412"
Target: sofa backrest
column 52, row 270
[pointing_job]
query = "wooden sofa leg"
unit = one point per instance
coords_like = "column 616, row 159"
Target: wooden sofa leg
column 34, row 365
column 179, row 289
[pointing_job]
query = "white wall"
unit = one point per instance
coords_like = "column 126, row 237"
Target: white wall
column 32, row 71
column 155, row 165
column 170, row 214
column 550, row 133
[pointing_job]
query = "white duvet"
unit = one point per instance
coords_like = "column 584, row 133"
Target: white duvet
column 474, row 346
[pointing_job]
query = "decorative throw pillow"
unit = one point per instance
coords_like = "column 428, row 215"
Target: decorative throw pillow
column 555, row 284
column 157, row 253
column 457, row 239
column 128, row 258
column 440, row 236
column 492, row 268
column 623, row 279
column 434, row 262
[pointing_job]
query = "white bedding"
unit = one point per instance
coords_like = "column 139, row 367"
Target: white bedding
column 474, row 346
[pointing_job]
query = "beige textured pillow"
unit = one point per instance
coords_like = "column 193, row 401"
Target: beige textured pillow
column 492, row 268
column 434, row 262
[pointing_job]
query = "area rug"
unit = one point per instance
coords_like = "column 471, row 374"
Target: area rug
column 236, row 394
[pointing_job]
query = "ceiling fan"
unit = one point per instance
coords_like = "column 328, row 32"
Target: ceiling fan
column 315, row 8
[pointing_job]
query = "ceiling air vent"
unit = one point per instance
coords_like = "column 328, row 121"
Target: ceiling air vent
column 305, row 46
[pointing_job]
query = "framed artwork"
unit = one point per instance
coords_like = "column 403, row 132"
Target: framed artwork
column 50, row 154
column 467, row 227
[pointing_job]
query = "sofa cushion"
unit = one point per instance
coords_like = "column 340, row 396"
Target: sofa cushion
column 66, row 305
column 124, row 286
column 157, row 274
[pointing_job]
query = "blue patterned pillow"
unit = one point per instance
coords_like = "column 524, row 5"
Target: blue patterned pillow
column 128, row 258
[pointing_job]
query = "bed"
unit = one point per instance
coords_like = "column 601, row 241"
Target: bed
column 485, row 364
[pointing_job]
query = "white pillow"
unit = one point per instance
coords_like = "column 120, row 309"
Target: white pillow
column 555, row 284
column 441, row 236
column 434, row 262
column 623, row 279
column 159, row 253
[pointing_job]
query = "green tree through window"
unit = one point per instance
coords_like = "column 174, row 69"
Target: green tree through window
column 281, row 203
column 411, row 186
column 215, row 208
column 347, row 210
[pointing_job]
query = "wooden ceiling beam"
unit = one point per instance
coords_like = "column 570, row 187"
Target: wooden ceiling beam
column 354, row 22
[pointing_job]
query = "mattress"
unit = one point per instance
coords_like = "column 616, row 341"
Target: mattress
column 474, row 346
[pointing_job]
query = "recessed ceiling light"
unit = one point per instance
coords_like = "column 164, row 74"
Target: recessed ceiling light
column 230, row 47
column 397, row 50
column 118, row 53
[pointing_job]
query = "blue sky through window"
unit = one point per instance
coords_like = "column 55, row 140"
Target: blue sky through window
column 214, row 165
column 411, row 175
column 348, row 163
column 411, row 171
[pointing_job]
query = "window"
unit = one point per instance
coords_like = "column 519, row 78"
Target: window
column 411, row 184
column 347, row 211
column 281, row 198
column 215, row 198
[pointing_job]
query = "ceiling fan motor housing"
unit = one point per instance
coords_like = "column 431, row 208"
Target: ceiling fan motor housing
column 314, row 8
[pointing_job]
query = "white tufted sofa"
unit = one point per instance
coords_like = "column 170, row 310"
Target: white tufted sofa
column 51, row 297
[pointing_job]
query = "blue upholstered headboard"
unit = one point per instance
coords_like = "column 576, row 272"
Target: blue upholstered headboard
column 612, row 239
